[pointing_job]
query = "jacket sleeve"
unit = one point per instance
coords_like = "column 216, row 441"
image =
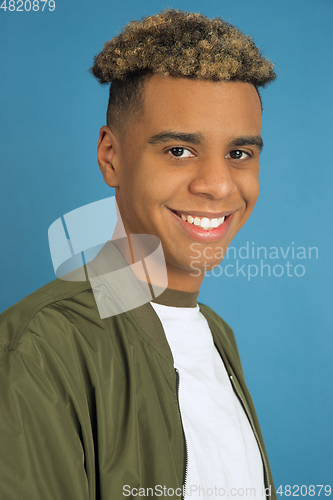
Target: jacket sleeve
column 41, row 453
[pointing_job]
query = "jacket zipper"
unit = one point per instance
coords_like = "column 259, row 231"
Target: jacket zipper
column 254, row 430
column 184, row 438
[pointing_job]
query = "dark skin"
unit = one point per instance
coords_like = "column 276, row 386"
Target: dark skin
column 193, row 151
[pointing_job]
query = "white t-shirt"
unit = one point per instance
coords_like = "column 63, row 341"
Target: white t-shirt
column 223, row 455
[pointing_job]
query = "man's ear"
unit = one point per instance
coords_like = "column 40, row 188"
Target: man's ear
column 107, row 155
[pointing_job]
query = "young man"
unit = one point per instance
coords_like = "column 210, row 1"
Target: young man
column 151, row 401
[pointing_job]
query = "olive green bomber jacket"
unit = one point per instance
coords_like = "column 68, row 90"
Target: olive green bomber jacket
column 89, row 406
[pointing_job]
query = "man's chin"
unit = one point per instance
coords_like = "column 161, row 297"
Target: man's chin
column 198, row 268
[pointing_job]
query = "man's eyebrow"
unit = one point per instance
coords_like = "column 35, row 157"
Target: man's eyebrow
column 251, row 140
column 197, row 138
column 168, row 135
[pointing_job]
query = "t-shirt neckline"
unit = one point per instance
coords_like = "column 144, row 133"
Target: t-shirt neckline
column 177, row 298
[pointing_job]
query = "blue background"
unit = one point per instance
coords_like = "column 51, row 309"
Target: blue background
column 51, row 112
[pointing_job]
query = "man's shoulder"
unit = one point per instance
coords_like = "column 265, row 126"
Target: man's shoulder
column 44, row 306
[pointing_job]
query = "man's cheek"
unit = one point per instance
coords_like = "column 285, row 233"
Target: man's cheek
column 250, row 192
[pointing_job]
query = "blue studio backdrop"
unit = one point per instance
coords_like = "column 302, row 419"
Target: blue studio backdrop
column 276, row 291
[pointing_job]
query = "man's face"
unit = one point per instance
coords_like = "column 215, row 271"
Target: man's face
column 193, row 154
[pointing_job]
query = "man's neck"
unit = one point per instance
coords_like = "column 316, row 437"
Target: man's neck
column 178, row 279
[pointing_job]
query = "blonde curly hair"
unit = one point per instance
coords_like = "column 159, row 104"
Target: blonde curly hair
column 175, row 43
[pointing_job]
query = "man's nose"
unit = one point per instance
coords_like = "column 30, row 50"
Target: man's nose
column 214, row 178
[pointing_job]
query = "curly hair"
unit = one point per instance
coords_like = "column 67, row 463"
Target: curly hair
column 175, row 43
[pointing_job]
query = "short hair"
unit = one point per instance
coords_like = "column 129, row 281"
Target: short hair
column 180, row 44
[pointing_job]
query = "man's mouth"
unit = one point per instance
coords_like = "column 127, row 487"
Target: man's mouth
column 202, row 222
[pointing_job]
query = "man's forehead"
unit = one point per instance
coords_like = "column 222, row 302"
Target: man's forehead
column 197, row 107
column 159, row 83
column 185, row 95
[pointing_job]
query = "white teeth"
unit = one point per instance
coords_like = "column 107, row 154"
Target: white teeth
column 204, row 223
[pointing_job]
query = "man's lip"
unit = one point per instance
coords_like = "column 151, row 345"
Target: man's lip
column 209, row 215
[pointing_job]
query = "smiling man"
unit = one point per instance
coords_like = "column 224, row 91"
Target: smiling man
column 187, row 168
column 150, row 402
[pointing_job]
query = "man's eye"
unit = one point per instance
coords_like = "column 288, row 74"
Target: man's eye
column 180, row 152
column 238, row 154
